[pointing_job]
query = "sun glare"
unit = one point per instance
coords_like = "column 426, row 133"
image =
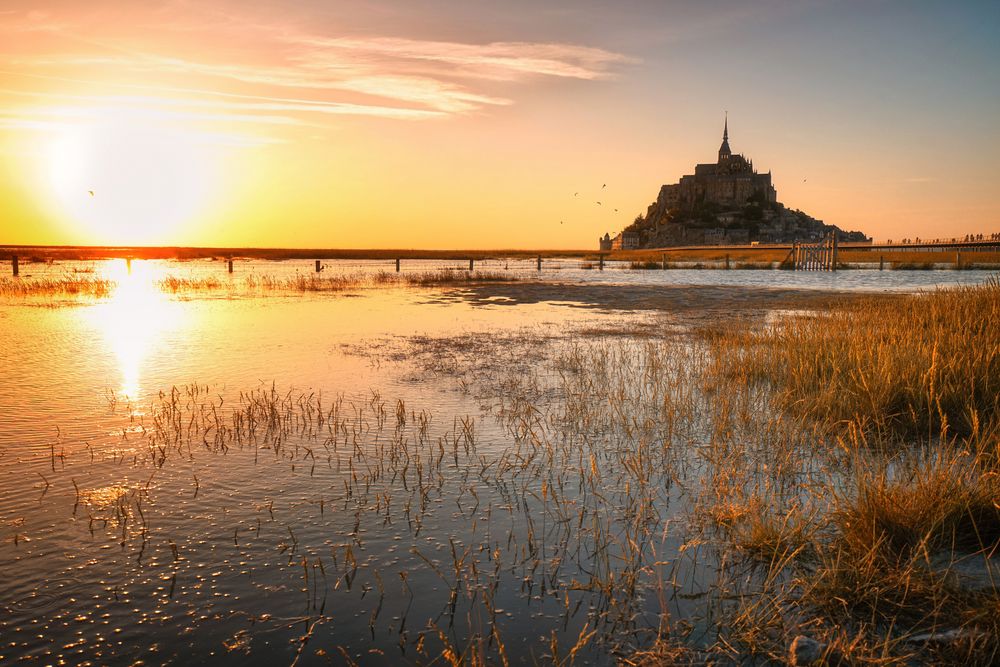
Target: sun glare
column 128, row 178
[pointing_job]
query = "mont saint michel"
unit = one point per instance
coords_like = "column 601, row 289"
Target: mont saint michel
column 309, row 357
column 726, row 202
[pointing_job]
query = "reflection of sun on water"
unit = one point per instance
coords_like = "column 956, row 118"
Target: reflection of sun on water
column 134, row 320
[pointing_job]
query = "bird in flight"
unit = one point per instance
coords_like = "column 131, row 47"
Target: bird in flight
column 91, row 192
column 598, row 203
column 604, row 186
column 616, row 210
column 575, row 193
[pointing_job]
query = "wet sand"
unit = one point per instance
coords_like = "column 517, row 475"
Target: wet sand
column 672, row 298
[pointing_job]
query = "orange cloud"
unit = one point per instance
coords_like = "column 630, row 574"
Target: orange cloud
column 363, row 75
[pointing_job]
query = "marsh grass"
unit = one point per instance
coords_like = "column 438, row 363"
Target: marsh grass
column 88, row 286
column 885, row 554
column 821, row 476
column 64, row 286
column 899, row 396
column 932, row 499
column 913, row 366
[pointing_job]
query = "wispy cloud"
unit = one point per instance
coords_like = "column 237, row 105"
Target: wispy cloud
column 495, row 60
column 221, row 110
column 300, row 72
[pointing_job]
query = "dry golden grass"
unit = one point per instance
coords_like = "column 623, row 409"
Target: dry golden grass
column 921, row 364
column 89, row 286
column 900, row 398
column 934, row 498
column 70, row 285
column 613, row 443
column 894, row 532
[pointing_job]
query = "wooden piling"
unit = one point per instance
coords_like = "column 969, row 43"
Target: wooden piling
column 727, row 261
column 319, row 267
column 397, row 266
column 539, row 262
column 958, row 259
column 834, row 253
column 664, row 262
column 881, row 262
column 230, row 264
column 128, row 265
column 14, row 265
column 600, row 262
column 471, row 264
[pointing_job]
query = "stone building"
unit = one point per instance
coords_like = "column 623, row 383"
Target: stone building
column 625, row 241
column 729, row 182
column 726, row 202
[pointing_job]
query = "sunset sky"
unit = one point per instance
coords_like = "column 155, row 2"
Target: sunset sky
column 432, row 124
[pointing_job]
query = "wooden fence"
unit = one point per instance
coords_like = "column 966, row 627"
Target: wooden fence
column 820, row 256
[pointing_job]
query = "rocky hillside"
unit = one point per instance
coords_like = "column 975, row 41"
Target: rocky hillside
column 712, row 224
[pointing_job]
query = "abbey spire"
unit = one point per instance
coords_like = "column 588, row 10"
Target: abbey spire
column 724, row 152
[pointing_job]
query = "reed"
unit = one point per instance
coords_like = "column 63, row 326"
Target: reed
column 926, row 500
column 610, row 476
column 896, row 367
column 68, row 285
column 88, row 286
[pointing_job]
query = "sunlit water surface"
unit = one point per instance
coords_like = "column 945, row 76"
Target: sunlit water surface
column 369, row 514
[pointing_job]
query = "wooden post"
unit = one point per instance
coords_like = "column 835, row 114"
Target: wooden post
column 14, row 266
column 834, row 251
column 471, row 264
column 128, row 265
column 319, row 267
column 600, row 262
column 881, row 262
column 958, row 259
column 230, row 264
column 727, row 261
column 664, row 261
column 539, row 262
column 795, row 257
column 397, row 266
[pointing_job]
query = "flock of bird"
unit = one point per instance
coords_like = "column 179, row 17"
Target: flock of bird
column 596, row 202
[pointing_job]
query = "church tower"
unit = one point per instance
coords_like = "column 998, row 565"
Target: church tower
column 724, row 152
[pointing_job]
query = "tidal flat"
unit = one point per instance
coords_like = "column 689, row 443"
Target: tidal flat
column 497, row 467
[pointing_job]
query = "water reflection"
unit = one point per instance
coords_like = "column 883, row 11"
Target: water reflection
column 135, row 320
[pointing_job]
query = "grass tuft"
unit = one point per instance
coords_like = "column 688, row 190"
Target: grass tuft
column 917, row 365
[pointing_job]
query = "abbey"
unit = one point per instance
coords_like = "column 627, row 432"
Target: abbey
column 725, row 202
column 732, row 181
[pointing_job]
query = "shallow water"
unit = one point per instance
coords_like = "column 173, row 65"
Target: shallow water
column 377, row 492
column 554, row 270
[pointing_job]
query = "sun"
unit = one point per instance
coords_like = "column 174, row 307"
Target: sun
column 127, row 178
